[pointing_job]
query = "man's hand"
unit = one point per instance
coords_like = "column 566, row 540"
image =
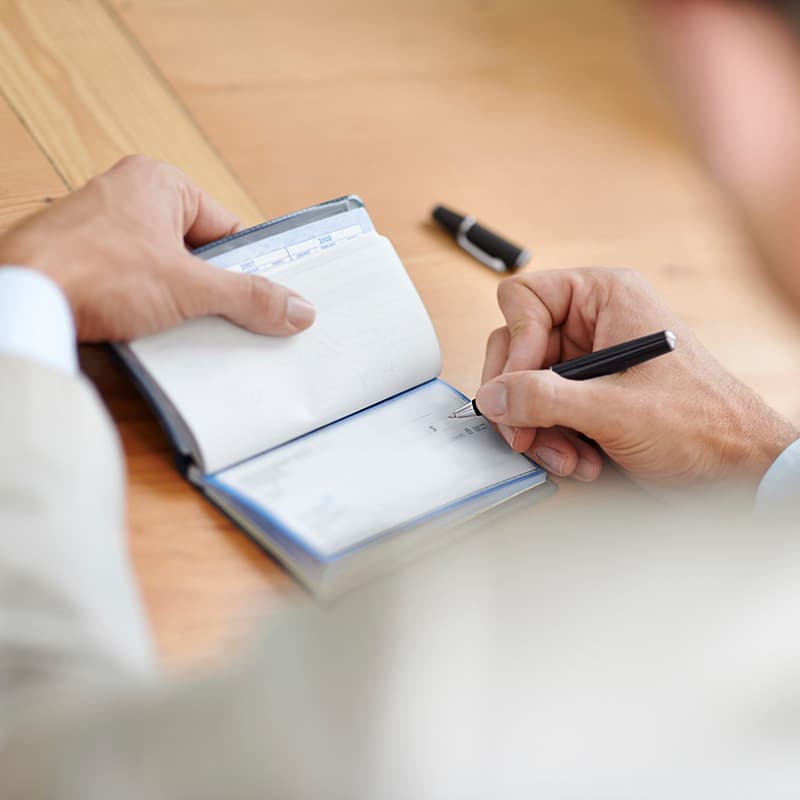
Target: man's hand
column 117, row 248
column 677, row 419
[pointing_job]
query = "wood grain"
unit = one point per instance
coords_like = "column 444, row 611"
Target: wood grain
column 88, row 95
column 27, row 181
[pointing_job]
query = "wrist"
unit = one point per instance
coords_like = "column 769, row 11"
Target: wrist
column 773, row 444
column 779, row 484
column 758, row 442
column 21, row 249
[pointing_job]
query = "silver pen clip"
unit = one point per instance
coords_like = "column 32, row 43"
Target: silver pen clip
column 461, row 239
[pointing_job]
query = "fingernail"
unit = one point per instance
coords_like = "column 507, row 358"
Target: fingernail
column 550, row 459
column 585, row 470
column 299, row 312
column 507, row 433
column 492, row 399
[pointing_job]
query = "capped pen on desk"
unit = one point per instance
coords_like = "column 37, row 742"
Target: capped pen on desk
column 487, row 247
column 607, row 361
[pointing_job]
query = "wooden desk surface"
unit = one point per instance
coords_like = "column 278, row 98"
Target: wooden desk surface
column 544, row 119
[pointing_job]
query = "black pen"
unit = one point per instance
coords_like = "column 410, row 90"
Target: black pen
column 490, row 249
column 613, row 359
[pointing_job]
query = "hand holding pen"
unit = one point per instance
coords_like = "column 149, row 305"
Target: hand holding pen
column 672, row 420
column 608, row 361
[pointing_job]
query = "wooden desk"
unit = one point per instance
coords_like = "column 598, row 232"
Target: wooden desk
column 542, row 118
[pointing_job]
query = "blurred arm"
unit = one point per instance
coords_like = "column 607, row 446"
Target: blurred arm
column 68, row 607
column 735, row 70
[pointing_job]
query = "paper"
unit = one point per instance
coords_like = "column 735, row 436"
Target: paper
column 383, row 468
column 275, row 244
column 241, row 394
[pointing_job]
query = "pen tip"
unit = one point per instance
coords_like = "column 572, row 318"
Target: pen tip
column 452, row 416
column 672, row 339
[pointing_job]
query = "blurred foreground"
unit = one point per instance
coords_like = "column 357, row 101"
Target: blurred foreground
column 622, row 651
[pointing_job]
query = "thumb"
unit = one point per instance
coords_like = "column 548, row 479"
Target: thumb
column 543, row 399
column 251, row 301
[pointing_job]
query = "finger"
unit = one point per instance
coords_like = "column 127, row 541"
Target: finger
column 542, row 399
column 564, row 454
column 496, row 362
column 590, row 461
column 521, row 438
column 529, row 323
column 553, row 352
column 495, row 358
column 251, row 301
column 548, row 309
column 205, row 219
column 496, row 353
column 553, row 450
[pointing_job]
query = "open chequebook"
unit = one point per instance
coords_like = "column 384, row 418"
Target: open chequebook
column 332, row 448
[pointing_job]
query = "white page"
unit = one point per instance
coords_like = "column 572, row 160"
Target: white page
column 377, row 470
column 241, row 394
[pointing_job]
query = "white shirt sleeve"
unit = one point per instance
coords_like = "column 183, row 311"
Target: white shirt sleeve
column 69, row 608
column 35, row 320
column 782, row 480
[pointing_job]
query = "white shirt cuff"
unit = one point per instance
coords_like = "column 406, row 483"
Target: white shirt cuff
column 782, row 480
column 35, row 320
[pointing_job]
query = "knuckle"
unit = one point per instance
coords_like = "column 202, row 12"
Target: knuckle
column 191, row 287
column 637, row 285
column 539, row 398
column 135, row 172
column 188, row 198
column 547, row 397
column 519, row 326
column 619, row 285
column 630, row 276
column 506, row 288
column 134, row 162
column 144, row 169
column 523, row 404
column 264, row 298
column 603, row 279
column 252, row 291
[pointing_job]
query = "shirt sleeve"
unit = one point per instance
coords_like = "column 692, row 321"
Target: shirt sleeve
column 70, row 612
column 782, row 480
column 35, row 320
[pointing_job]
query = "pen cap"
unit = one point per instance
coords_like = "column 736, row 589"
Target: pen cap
column 488, row 247
column 449, row 220
column 497, row 247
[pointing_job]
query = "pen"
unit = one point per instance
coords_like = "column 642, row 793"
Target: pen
column 613, row 359
column 490, row 249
